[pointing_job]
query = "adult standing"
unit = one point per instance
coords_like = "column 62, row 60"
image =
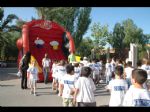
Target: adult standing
column 71, row 58
column 24, row 65
column 46, row 67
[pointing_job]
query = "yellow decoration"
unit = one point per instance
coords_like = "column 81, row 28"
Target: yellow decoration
column 37, row 65
column 77, row 58
column 55, row 47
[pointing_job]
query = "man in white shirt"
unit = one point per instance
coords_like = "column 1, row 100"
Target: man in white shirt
column 46, row 67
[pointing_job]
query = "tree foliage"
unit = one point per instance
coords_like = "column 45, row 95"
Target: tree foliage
column 5, row 28
column 99, row 34
column 85, row 48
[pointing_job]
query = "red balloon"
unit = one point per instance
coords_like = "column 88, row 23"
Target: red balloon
column 19, row 44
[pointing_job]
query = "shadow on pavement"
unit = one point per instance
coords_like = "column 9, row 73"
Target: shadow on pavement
column 45, row 93
column 6, row 85
column 44, row 88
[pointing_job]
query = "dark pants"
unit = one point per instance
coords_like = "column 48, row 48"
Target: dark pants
column 24, row 80
column 86, row 104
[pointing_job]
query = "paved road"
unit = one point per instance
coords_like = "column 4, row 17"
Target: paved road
column 12, row 95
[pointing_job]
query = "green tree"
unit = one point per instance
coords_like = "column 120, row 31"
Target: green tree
column 85, row 48
column 5, row 28
column 133, row 34
column 74, row 19
column 116, row 39
column 99, row 34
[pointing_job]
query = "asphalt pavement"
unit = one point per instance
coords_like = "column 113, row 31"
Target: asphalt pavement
column 11, row 93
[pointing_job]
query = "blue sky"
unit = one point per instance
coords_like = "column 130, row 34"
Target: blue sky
column 104, row 15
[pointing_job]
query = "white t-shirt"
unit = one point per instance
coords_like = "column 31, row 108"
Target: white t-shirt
column 86, row 90
column 147, row 69
column 128, row 72
column 113, row 65
column 54, row 70
column 100, row 65
column 33, row 71
column 108, row 69
column 69, row 83
column 85, row 62
column 118, row 88
column 77, row 71
column 46, row 62
column 137, row 97
column 95, row 68
column 61, row 71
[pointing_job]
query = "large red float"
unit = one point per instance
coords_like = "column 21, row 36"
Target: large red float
column 40, row 37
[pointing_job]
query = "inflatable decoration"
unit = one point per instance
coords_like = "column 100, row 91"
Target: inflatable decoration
column 39, row 43
column 40, row 37
column 54, row 44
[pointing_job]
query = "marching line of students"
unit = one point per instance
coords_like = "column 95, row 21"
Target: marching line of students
column 76, row 82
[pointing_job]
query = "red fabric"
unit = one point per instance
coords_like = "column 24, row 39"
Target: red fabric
column 35, row 29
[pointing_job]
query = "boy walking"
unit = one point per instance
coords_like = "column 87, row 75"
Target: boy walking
column 67, row 86
column 118, row 88
column 137, row 96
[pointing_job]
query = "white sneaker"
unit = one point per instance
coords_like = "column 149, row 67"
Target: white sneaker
column 101, row 81
column 35, row 94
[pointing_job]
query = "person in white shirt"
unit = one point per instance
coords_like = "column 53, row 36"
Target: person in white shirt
column 137, row 96
column 95, row 71
column 32, row 74
column 85, row 61
column 46, row 67
column 84, row 89
column 100, row 63
column 139, row 64
column 54, row 75
column 128, row 72
column 146, row 67
column 67, row 86
column 108, row 71
column 113, row 64
column 117, row 87
column 61, row 71
column 77, row 70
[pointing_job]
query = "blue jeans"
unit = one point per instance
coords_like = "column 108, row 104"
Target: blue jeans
column 128, row 82
column 46, row 73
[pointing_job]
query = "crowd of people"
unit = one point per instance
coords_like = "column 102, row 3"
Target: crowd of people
column 76, row 81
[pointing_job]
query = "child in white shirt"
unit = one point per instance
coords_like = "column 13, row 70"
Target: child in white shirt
column 128, row 72
column 67, row 86
column 32, row 74
column 61, row 71
column 54, row 75
column 77, row 70
column 84, row 89
column 146, row 67
column 118, row 88
column 108, row 71
column 137, row 96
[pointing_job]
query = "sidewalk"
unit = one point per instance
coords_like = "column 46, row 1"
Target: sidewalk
column 11, row 94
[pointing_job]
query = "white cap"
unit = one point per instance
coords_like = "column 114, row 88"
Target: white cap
column 85, row 58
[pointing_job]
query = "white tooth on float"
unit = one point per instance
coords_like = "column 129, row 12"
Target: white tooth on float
column 40, row 41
